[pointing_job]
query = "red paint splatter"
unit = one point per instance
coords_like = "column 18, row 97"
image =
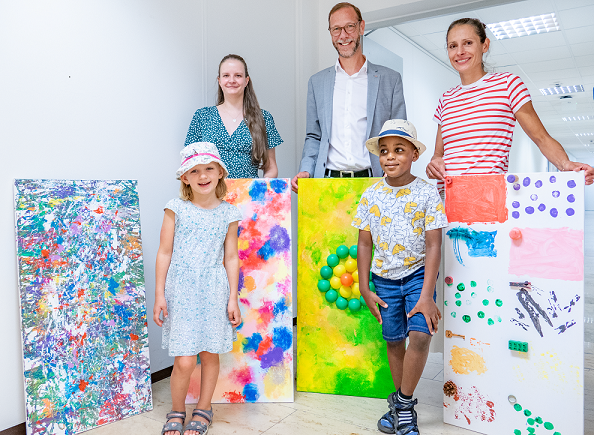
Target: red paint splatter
column 234, row 397
column 82, row 385
column 99, row 210
column 133, row 337
column 473, row 404
column 264, row 346
column 44, row 253
column 476, row 198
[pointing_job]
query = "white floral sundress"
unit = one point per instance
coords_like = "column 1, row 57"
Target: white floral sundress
column 197, row 288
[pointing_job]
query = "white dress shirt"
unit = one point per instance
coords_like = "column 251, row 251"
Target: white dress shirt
column 347, row 151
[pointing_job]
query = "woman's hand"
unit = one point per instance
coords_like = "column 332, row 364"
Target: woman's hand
column 234, row 313
column 436, row 169
column 428, row 308
column 160, row 305
column 577, row 167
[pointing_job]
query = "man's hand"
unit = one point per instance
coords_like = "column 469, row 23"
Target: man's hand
column 296, row 178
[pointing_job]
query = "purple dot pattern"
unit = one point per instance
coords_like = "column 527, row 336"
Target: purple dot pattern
column 526, row 182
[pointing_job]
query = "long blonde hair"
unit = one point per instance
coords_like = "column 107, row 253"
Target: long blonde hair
column 253, row 116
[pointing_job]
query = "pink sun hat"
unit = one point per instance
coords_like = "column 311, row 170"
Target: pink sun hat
column 199, row 153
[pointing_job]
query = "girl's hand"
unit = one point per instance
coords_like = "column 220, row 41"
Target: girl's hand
column 160, row 305
column 428, row 308
column 371, row 299
column 234, row 313
column 436, row 169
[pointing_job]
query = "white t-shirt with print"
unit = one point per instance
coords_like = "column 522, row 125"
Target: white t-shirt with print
column 398, row 218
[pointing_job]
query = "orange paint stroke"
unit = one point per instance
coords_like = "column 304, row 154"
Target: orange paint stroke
column 465, row 361
column 476, row 198
column 552, row 253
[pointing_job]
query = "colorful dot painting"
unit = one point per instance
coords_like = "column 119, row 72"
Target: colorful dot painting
column 343, row 287
column 339, row 351
column 85, row 336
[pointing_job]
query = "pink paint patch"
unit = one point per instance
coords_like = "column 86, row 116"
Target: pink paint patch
column 242, row 376
column 245, row 302
column 548, row 253
column 266, row 312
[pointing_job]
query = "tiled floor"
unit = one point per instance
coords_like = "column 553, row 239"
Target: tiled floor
column 344, row 415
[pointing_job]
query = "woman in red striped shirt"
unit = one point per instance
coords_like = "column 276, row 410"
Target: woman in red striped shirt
column 476, row 118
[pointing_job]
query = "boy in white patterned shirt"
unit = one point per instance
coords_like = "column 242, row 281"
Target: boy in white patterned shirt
column 401, row 215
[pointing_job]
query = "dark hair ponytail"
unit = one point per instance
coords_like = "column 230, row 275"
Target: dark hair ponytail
column 253, row 116
column 478, row 26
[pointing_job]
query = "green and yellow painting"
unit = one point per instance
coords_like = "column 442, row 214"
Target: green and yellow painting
column 340, row 349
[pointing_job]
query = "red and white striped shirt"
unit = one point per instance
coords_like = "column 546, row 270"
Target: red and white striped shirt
column 477, row 123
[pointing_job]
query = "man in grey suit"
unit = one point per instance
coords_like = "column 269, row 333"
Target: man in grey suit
column 347, row 104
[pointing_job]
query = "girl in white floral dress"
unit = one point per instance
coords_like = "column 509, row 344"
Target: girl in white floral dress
column 197, row 274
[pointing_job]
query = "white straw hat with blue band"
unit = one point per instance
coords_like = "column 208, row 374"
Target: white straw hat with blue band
column 396, row 127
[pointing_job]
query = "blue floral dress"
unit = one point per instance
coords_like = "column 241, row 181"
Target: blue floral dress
column 236, row 150
column 197, row 288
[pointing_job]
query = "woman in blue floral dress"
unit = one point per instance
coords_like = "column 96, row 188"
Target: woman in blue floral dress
column 244, row 134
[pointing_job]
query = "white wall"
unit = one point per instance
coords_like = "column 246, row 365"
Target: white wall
column 525, row 155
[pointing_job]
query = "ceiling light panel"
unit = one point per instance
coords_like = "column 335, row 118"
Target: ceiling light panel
column 560, row 90
column 524, row 26
column 578, row 118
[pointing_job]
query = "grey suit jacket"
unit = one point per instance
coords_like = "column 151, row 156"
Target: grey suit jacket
column 385, row 100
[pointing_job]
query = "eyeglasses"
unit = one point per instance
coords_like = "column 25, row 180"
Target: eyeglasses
column 349, row 28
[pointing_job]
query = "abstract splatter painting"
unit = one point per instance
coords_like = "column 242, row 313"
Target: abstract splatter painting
column 514, row 304
column 260, row 367
column 82, row 299
column 340, row 349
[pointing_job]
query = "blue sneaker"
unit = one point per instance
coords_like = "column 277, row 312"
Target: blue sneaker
column 386, row 423
column 406, row 428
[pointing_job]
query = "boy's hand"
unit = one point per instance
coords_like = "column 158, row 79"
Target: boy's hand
column 371, row 299
column 428, row 308
column 234, row 313
column 160, row 305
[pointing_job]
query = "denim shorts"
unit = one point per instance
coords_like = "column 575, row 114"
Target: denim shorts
column 401, row 295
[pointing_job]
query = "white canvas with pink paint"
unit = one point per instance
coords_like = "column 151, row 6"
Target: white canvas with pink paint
column 513, row 296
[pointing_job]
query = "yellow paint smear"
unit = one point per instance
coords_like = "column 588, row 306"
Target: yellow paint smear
column 465, row 361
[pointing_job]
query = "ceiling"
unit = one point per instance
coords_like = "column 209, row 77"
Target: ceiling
column 564, row 57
